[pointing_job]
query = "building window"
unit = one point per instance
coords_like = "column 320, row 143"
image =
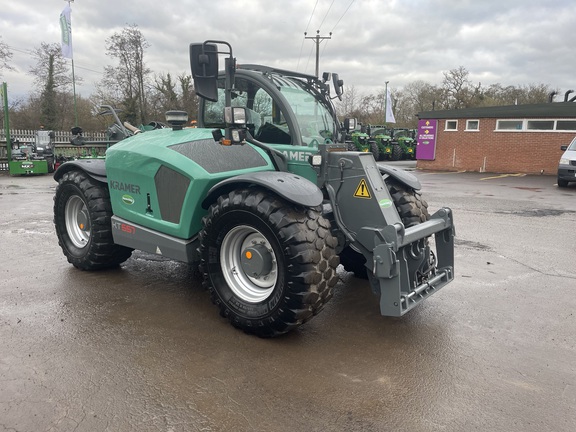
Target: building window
column 451, row 125
column 568, row 125
column 508, row 125
column 535, row 125
column 540, row 125
column 472, row 125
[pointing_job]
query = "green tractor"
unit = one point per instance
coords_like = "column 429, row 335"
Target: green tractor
column 359, row 140
column 263, row 196
column 387, row 148
column 405, row 138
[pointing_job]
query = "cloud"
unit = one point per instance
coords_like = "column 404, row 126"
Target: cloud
column 373, row 41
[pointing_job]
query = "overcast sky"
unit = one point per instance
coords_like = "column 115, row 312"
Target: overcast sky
column 512, row 42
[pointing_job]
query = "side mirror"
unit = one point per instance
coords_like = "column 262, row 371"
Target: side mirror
column 350, row 124
column 204, row 65
column 563, row 148
column 338, row 85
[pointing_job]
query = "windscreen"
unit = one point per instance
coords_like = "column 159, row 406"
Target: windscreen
column 315, row 120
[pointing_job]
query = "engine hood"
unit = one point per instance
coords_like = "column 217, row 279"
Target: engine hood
column 158, row 178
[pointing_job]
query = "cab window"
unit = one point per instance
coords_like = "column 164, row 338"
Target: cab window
column 266, row 122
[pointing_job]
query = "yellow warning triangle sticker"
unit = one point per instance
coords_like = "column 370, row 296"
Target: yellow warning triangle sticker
column 362, row 190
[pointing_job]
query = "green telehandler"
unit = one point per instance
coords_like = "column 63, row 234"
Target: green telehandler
column 263, row 196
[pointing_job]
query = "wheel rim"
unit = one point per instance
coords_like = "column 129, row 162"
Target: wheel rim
column 237, row 244
column 77, row 221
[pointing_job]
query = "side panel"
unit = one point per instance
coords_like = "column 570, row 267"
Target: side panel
column 171, row 187
column 298, row 157
column 360, row 195
column 138, row 237
column 158, row 179
column 28, row 167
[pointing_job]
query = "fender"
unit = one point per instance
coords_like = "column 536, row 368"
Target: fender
column 291, row 187
column 402, row 176
column 95, row 168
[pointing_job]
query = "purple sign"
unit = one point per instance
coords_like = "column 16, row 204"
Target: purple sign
column 426, row 148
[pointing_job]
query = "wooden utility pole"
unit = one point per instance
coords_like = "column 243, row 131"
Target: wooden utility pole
column 317, row 39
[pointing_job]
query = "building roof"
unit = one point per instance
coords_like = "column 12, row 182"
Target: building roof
column 543, row 110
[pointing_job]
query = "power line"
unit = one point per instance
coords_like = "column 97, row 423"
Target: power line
column 338, row 22
column 311, row 15
column 309, row 57
column 34, row 55
column 302, row 46
column 327, row 12
column 326, row 44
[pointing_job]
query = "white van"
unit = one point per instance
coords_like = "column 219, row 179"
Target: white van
column 567, row 166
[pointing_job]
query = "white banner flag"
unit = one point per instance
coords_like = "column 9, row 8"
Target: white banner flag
column 389, row 114
column 66, row 28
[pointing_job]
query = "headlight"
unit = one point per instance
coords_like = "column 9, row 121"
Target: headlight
column 564, row 161
column 316, row 160
column 235, row 115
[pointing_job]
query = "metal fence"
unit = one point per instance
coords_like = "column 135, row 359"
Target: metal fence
column 60, row 137
column 97, row 147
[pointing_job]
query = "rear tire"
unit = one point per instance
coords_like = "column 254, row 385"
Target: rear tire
column 269, row 265
column 82, row 217
column 412, row 210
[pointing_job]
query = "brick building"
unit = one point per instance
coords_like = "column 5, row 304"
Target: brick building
column 502, row 139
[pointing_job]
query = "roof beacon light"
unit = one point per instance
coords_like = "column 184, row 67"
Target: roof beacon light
column 176, row 119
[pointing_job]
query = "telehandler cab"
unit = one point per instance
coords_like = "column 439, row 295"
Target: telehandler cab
column 263, row 195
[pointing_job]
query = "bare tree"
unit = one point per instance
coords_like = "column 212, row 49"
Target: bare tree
column 53, row 83
column 50, row 62
column 129, row 77
column 188, row 95
column 166, row 87
column 349, row 102
column 459, row 92
column 168, row 94
column 5, row 57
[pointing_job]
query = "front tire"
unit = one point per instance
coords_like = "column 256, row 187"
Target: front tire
column 269, row 265
column 82, row 218
column 396, row 152
column 562, row 183
column 50, row 163
column 375, row 150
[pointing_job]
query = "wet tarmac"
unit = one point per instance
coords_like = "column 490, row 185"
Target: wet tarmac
column 142, row 348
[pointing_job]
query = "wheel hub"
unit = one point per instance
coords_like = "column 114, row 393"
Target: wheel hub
column 249, row 264
column 77, row 220
column 256, row 261
column 83, row 220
